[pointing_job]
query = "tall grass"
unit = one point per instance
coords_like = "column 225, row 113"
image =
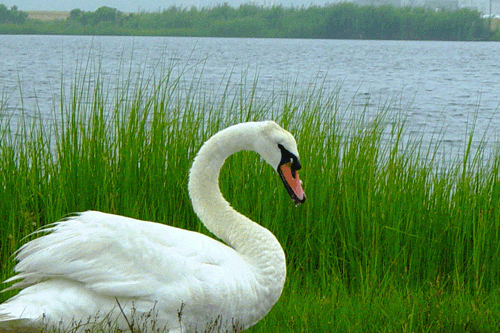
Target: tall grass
column 389, row 239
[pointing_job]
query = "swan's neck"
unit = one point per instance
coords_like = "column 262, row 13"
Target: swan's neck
column 257, row 244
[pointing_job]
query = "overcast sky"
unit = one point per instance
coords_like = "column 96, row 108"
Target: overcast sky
column 139, row 5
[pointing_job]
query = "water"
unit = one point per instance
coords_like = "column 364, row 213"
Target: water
column 444, row 84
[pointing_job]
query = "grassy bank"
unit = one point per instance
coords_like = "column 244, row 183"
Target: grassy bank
column 384, row 242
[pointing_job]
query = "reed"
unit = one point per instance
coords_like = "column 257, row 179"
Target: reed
column 389, row 239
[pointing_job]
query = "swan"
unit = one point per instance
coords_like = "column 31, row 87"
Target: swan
column 95, row 265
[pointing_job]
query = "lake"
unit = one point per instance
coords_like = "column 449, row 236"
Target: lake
column 442, row 86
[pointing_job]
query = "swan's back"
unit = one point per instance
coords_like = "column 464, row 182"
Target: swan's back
column 105, row 257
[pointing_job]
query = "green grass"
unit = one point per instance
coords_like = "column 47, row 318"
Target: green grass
column 389, row 239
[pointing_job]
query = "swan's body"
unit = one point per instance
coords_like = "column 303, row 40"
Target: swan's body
column 95, row 264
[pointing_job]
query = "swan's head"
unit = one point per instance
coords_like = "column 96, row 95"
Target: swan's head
column 278, row 148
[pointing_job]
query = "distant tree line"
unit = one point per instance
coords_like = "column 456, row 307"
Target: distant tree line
column 102, row 16
column 13, row 15
column 333, row 21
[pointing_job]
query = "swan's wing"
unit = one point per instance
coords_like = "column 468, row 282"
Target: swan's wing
column 123, row 257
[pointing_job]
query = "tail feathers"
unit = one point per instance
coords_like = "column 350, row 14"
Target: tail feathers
column 22, row 313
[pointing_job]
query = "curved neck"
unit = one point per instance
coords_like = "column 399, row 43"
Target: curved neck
column 208, row 203
column 245, row 236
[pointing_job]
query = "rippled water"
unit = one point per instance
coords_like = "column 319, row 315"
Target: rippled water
column 444, row 83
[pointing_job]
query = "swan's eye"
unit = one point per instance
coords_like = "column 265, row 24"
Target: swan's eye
column 288, row 157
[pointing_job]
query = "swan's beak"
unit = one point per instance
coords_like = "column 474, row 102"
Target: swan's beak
column 292, row 182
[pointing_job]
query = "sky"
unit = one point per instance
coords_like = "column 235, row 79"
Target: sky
column 142, row 5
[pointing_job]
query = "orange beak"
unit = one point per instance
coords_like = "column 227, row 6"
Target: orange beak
column 293, row 184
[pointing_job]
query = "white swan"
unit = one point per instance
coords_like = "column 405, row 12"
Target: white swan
column 95, row 263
